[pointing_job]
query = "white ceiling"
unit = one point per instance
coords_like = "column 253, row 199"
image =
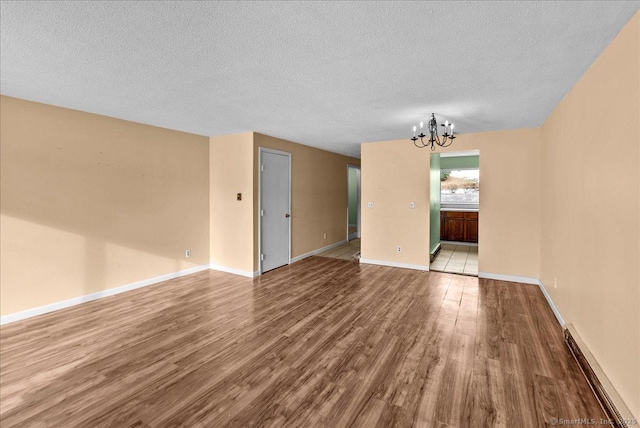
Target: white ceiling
column 326, row 74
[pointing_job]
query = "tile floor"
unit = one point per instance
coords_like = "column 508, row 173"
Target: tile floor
column 457, row 259
column 348, row 251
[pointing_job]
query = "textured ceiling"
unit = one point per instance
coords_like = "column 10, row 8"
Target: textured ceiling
column 326, row 74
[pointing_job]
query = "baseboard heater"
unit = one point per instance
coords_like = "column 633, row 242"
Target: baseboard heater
column 435, row 253
column 617, row 412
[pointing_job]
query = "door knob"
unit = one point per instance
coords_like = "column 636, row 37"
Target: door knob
column 287, row 215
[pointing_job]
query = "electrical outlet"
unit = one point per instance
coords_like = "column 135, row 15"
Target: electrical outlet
column 399, row 249
column 187, row 253
column 555, row 283
column 325, row 236
column 369, row 204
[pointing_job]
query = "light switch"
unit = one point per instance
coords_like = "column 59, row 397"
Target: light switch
column 412, row 204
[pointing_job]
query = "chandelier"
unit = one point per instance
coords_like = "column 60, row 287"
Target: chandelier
column 443, row 140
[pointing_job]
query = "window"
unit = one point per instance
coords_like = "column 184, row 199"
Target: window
column 460, row 188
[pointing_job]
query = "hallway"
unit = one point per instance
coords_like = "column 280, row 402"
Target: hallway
column 348, row 251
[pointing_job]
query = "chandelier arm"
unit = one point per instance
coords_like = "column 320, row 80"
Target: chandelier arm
column 445, row 144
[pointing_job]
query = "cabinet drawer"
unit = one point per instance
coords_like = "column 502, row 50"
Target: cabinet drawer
column 454, row 214
column 471, row 216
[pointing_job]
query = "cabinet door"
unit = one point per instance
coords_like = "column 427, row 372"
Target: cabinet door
column 443, row 221
column 454, row 229
column 472, row 231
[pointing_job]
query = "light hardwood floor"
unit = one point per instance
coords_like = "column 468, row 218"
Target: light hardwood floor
column 348, row 251
column 323, row 342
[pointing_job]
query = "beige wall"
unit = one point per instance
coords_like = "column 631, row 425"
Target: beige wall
column 591, row 210
column 91, row 203
column 318, row 195
column 231, row 172
column 318, row 198
column 394, row 173
column 96, row 202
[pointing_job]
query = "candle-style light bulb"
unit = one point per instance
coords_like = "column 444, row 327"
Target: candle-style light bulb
column 446, row 123
column 414, row 130
column 452, row 129
column 421, row 124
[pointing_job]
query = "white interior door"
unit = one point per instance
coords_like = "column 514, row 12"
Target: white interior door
column 275, row 215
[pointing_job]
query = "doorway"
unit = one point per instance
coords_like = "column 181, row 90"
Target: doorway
column 454, row 212
column 274, row 209
column 353, row 202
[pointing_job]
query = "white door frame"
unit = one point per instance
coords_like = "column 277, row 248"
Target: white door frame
column 358, row 233
column 276, row 152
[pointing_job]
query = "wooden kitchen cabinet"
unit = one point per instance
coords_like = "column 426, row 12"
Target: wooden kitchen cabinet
column 454, row 226
column 472, row 230
column 460, row 226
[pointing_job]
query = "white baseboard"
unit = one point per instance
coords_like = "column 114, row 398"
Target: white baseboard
column 555, row 310
column 509, row 278
column 234, row 271
column 6, row 319
column 319, row 250
column 394, row 264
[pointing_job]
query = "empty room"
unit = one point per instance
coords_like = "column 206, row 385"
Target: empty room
column 319, row 214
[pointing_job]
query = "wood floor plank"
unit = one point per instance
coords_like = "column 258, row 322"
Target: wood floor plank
column 486, row 404
column 323, row 342
column 453, row 396
column 432, row 368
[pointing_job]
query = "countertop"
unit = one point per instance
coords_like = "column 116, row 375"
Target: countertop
column 468, row 210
